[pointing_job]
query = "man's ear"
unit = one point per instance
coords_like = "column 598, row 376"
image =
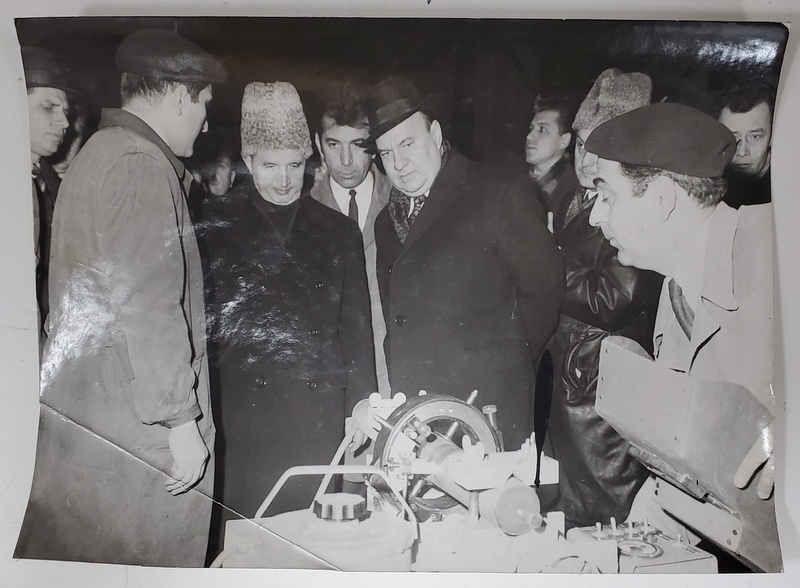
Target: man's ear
column 436, row 133
column 666, row 192
column 248, row 161
column 566, row 138
column 181, row 97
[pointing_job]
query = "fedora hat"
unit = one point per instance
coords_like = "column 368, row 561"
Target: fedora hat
column 392, row 101
column 42, row 71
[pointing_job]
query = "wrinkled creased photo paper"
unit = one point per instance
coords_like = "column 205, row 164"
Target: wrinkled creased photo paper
column 353, row 309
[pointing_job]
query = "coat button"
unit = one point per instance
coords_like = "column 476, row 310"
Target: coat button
column 400, row 320
column 319, row 285
column 311, row 384
column 313, row 333
column 260, row 382
column 391, row 267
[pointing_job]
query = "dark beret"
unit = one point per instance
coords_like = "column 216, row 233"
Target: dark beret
column 164, row 55
column 666, row 136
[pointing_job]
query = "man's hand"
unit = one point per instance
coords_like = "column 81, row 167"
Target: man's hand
column 190, row 456
column 760, row 453
column 359, row 437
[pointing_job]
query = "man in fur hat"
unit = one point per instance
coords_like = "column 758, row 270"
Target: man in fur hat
column 293, row 325
column 126, row 426
column 470, row 278
column 598, row 479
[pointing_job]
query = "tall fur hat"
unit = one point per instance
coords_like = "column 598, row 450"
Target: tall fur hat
column 273, row 118
column 612, row 94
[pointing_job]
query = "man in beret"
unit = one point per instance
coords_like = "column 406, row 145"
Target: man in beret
column 293, row 327
column 471, row 280
column 48, row 108
column 126, row 428
column 659, row 177
column 353, row 186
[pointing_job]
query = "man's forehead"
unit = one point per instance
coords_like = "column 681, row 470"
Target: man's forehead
column 759, row 117
column 413, row 126
column 52, row 94
column 279, row 156
column 344, row 132
column 546, row 116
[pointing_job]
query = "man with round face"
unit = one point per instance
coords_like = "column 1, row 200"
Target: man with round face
column 292, row 328
column 125, row 357
column 659, row 178
column 747, row 111
column 470, row 278
column 352, row 185
column 48, row 109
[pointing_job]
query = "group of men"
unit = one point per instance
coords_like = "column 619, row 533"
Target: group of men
column 406, row 267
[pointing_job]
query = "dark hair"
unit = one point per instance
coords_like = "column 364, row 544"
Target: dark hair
column 561, row 104
column 133, row 87
column 706, row 191
column 344, row 105
column 744, row 98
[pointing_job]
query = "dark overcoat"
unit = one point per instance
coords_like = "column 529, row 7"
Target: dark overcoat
column 292, row 343
column 473, row 294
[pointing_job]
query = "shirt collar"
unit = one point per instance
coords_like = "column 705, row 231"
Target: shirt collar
column 710, row 276
column 116, row 117
column 365, row 187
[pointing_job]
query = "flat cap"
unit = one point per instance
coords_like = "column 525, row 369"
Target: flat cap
column 666, row 136
column 164, row 55
column 42, row 71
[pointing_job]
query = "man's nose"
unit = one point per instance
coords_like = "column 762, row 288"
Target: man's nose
column 347, row 156
column 599, row 212
column 741, row 148
column 400, row 160
column 589, row 161
column 285, row 179
column 61, row 121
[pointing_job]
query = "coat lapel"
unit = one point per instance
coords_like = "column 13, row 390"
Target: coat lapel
column 447, row 188
column 380, row 197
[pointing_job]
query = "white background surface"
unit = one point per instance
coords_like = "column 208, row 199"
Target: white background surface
column 18, row 365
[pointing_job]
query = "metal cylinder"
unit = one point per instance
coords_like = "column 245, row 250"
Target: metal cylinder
column 514, row 507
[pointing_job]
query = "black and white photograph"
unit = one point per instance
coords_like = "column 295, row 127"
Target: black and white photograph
column 404, row 295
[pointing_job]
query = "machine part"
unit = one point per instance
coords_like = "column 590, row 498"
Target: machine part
column 646, row 550
column 514, row 507
column 445, row 416
column 340, row 506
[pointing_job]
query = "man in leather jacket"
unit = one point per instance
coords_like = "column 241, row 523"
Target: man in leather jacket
column 598, row 479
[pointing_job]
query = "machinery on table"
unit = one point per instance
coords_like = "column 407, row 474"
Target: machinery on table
column 441, row 495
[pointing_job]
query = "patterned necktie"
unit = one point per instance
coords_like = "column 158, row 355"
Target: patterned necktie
column 352, row 210
column 683, row 312
column 416, row 205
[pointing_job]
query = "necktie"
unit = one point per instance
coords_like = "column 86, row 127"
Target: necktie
column 683, row 312
column 416, row 204
column 352, row 210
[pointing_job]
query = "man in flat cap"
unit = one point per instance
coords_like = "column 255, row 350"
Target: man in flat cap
column 126, row 428
column 48, row 108
column 598, row 478
column 659, row 177
column 292, row 312
column 470, row 278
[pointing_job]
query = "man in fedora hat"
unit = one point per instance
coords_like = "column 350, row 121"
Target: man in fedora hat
column 293, row 326
column 48, row 108
column 470, row 278
column 659, row 177
column 126, row 427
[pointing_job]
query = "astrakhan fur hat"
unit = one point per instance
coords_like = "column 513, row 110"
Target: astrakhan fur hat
column 273, row 118
column 612, row 94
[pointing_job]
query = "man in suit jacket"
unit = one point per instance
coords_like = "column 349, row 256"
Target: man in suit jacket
column 470, row 278
column 659, row 176
column 353, row 186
